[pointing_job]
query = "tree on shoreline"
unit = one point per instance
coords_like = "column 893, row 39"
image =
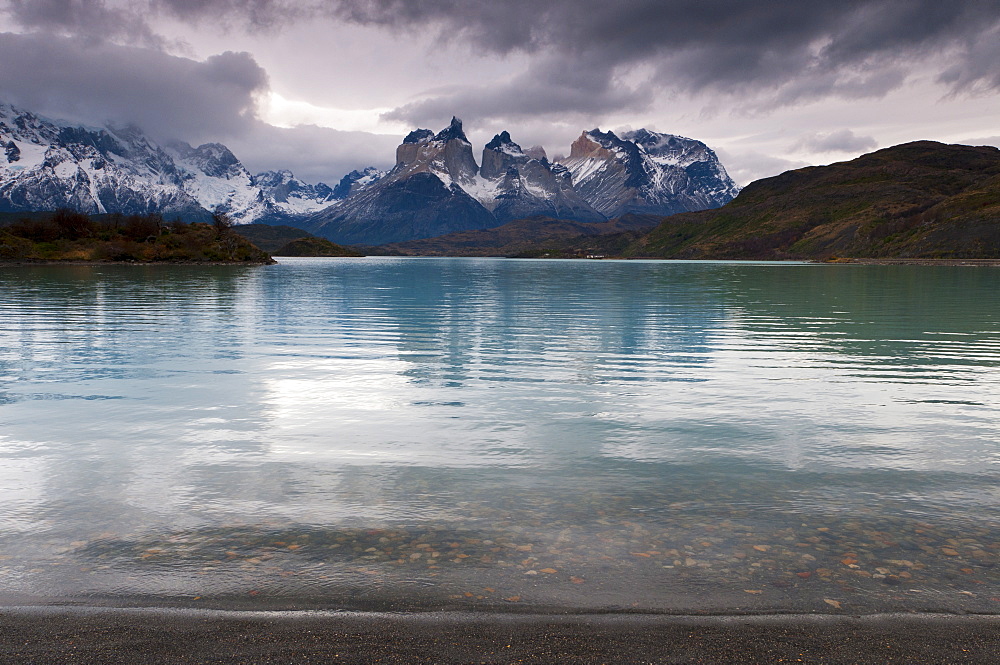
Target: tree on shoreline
column 67, row 235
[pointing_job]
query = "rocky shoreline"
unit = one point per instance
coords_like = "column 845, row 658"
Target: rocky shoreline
column 149, row 636
column 920, row 262
column 29, row 263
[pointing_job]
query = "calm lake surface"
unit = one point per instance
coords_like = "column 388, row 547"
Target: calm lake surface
column 500, row 434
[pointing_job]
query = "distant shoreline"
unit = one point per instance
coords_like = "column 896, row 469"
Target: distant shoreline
column 992, row 263
column 989, row 263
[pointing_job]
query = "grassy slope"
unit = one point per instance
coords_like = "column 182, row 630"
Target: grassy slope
column 921, row 199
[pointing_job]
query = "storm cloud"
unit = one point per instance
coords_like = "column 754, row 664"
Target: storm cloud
column 574, row 89
column 166, row 95
column 551, row 67
column 91, row 19
column 765, row 54
column 767, row 49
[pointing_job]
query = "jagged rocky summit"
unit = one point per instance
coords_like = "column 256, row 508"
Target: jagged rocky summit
column 45, row 165
column 647, row 172
column 437, row 187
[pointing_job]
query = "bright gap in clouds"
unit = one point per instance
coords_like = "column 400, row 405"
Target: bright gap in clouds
column 276, row 110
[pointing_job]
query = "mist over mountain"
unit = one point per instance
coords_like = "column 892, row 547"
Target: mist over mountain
column 48, row 164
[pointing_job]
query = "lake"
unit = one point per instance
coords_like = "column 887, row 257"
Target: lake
column 489, row 434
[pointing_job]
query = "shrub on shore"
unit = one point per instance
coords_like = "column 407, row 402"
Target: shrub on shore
column 66, row 235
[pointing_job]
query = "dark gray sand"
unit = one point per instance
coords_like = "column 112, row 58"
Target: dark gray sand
column 146, row 636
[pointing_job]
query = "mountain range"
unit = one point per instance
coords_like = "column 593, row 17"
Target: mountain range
column 436, row 186
column 916, row 201
column 641, row 194
column 47, row 165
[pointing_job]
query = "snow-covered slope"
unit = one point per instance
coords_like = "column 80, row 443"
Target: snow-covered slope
column 47, row 164
column 647, row 172
column 355, row 181
column 518, row 185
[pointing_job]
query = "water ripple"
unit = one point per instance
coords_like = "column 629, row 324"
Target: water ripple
column 649, row 431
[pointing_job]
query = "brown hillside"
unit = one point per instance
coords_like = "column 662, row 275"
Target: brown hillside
column 916, row 200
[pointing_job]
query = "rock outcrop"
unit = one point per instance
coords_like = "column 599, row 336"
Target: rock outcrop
column 521, row 185
column 424, row 195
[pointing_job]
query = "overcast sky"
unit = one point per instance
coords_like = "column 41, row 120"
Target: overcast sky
column 325, row 86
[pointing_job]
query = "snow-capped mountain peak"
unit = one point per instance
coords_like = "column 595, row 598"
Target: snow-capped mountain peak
column 355, row 181
column 419, row 136
column 504, row 143
column 452, row 132
column 647, row 172
column 49, row 164
column 447, row 154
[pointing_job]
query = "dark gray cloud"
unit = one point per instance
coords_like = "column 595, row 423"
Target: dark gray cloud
column 697, row 44
column 90, row 19
column 173, row 97
column 842, row 140
column 575, row 89
column 727, row 44
column 783, row 51
column 170, row 96
column 134, row 21
column 253, row 14
column 977, row 70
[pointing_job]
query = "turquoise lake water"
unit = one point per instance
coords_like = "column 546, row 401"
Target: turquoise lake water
column 388, row 433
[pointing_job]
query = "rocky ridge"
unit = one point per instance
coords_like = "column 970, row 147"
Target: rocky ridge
column 435, row 188
column 647, row 172
column 46, row 165
column 423, row 196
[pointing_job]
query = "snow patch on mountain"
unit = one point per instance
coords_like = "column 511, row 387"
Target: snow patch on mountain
column 647, row 172
column 48, row 164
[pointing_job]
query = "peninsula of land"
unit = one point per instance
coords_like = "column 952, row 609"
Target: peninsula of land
column 66, row 236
